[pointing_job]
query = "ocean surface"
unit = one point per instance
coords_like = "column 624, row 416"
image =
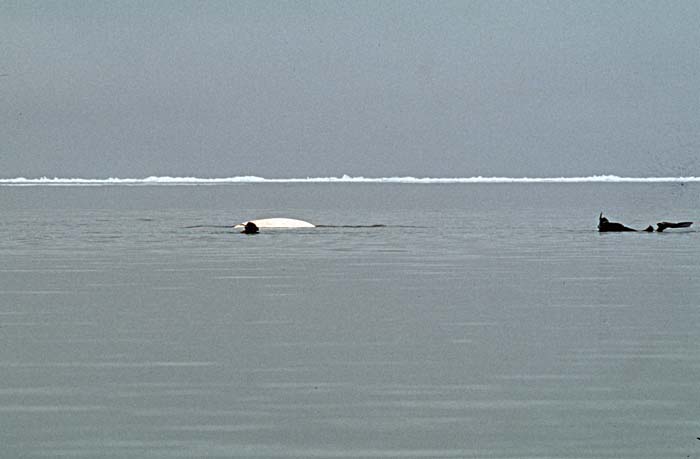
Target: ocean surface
column 482, row 320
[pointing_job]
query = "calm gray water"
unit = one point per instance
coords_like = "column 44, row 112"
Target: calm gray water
column 484, row 321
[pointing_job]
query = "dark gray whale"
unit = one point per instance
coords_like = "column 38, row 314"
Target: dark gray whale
column 605, row 226
column 250, row 228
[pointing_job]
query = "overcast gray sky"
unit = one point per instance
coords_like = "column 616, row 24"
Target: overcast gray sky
column 378, row 88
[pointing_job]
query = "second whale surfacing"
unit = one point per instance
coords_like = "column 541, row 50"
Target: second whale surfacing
column 277, row 223
column 663, row 225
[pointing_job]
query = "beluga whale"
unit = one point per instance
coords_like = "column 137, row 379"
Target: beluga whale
column 276, row 223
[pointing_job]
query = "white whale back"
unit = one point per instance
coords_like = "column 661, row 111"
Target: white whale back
column 278, row 223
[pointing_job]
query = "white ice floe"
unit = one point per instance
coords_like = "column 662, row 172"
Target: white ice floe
column 156, row 180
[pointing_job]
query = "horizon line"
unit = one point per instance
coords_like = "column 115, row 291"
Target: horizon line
column 187, row 180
